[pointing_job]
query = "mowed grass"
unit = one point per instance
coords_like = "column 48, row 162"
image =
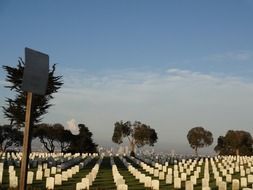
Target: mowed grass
column 104, row 179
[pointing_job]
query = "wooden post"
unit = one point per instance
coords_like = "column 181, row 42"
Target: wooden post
column 26, row 149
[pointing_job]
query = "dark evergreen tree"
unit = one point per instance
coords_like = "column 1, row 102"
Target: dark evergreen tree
column 63, row 137
column 83, row 142
column 14, row 109
column 9, row 136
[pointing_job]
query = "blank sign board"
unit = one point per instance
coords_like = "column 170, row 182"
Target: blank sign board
column 36, row 70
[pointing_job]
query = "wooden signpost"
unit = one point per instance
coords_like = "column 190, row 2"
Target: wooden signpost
column 35, row 80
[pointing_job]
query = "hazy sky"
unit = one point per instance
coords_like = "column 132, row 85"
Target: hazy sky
column 173, row 65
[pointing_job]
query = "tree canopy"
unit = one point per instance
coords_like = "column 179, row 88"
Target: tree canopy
column 14, row 109
column 83, row 141
column 47, row 135
column 138, row 134
column 55, row 135
column 9, row 136
column 235, row 143
column 63, row 137
column 198, row 137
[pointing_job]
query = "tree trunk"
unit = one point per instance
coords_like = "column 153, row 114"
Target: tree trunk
column 196, row 151
column 237, row 151
column 132, row 147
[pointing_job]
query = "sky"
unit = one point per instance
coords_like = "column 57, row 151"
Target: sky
column 173, row 65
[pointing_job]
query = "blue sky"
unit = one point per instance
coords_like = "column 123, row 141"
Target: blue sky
column 171, row 64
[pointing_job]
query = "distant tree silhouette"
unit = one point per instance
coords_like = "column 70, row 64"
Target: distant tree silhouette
column 138, row 134
column 235, row 143
column 82, row 142
column 47, row 135
column 63, row 137
column 52, row 134
column 9, row 136
column 198, row 137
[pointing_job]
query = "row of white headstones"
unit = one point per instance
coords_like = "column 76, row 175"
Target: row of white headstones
column 54, row 175
column 88, row 180
column 188, row 171
column 146, row 180
column 117, row 177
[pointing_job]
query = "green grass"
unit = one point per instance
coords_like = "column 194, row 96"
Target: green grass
column 104, row 179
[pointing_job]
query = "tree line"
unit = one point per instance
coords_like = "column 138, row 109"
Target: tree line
column 234, row 142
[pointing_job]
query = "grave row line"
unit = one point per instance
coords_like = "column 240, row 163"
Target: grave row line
column 87, row 181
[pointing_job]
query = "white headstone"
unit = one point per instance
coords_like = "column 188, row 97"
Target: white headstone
column 44, row 165
column 29, row 177
column 193, row 180
column 64, row 176
column 183, row 176
column 142, row 178
column 222, row 185
column 1, row 166
column 231, row 170
column 1, row 177
column 161, row 176
column 69, row 172
column 53, row 170
column 80, row 186
column 13, row 182
column 50, row 183
column 188, row 185
column 155, row 184
column 169, row 171
column 122, row 187
column 39, row 175
column 47, row 172
column 11, row 168
column 148, row 181
column 250, row 178
column 169, row 179
column 86, row 183
column 156, row 172
column 244, row 182
column 58, row 179
column 177, row 183
column 229, row 178
column 175, row 173
column 235, row 184
column 120, row 181
column 205, row 182
column 218, row 180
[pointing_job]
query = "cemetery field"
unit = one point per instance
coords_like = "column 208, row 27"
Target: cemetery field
column 121, row 172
